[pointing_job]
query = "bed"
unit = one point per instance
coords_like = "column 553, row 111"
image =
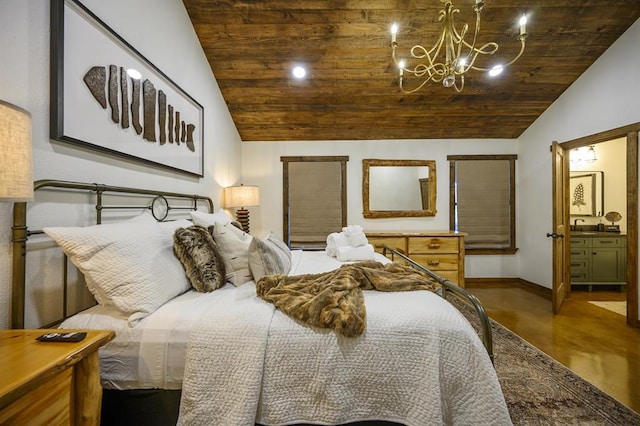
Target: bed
column 229, row 357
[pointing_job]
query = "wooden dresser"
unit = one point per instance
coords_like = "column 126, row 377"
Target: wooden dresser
column 50, row 383
column 441, row 252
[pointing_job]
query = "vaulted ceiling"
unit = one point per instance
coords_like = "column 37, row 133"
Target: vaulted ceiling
column 351, row 90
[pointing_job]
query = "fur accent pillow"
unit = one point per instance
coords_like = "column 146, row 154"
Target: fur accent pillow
column 200, row 256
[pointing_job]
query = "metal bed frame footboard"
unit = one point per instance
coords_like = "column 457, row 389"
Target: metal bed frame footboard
column 449, row 287
column 160, row 205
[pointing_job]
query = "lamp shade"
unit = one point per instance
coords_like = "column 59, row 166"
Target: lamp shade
column 16, row 163
column 241, row 196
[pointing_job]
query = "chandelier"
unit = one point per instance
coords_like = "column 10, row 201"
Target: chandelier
column 452, row 56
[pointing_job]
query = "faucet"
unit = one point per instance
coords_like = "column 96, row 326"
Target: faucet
column 575, row 223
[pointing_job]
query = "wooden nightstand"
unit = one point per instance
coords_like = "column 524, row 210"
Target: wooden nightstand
column 50, row 383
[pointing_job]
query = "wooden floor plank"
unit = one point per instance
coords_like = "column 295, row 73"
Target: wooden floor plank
column 592, row 341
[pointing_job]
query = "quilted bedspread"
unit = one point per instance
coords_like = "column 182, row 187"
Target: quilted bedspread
column 418, row 362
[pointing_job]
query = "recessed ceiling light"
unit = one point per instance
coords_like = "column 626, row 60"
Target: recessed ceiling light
column 299, row 72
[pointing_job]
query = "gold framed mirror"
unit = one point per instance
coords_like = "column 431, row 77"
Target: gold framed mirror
column 398, row 188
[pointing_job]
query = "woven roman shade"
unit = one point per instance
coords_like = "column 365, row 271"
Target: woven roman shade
column 483, row 202
column 315, row 202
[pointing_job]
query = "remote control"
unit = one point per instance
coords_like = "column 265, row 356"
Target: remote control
column 62, row 337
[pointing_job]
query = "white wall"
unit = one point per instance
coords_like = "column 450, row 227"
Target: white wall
column 261, row 166
column 161, row 31
column 605, row 97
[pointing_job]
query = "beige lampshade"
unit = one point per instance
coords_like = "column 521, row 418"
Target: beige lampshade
column 16, row 163
column 241, row 196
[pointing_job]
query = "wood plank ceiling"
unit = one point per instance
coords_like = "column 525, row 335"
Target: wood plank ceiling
column 351, row 90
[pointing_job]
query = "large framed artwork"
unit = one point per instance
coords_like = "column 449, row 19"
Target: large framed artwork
column 586, row 193
column 105, row 95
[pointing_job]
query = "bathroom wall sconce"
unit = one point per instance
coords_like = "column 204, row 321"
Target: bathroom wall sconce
column 584, row 154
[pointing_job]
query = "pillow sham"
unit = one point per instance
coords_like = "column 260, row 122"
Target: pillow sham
column 207, row 219
column 267, row 258
column 129, row 265
column 281, row 246
column 200, row 256
column 234, row 246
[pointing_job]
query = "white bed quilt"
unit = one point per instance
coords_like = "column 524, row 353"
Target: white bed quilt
column 418, row 362
column 152, row 354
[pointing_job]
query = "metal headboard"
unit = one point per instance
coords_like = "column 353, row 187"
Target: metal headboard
column 21, row 232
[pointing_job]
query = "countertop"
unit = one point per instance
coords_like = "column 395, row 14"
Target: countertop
column 595, row 234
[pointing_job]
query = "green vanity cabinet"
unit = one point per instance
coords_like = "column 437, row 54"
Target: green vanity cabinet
column 579, row 260
column 598, row 259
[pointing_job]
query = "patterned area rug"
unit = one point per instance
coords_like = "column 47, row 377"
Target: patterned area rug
column 541, row 391
column 613, row 306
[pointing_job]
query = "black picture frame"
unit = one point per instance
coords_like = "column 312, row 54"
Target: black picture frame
column 586, row 192
column 93, row 96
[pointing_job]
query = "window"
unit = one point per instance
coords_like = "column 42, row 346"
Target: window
column 483, row 202
column 314, row 199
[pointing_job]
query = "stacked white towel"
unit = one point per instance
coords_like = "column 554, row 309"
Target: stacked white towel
column 350, row 245
column 355, row 235
column 354, row 254
column 335, row 240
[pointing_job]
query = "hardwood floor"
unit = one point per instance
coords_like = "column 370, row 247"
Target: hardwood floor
column 592, row 341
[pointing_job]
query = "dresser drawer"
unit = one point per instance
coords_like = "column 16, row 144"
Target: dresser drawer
column 608, row 242
column 579, row 241
column 578, row 277
column 418, row 245
column 579, row 264
column 396, row 243
column 579, row 252
column 437, row 262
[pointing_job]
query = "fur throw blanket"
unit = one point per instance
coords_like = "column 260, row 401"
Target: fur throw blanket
column 334, row 299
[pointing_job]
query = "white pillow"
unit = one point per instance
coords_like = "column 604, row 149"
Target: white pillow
column 234, row 247
column 268, row 256
column 207, row 219
column 144, row 216
column 281, row 246
column 129, row 265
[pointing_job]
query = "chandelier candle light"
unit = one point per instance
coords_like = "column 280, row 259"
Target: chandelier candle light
column 451, row 56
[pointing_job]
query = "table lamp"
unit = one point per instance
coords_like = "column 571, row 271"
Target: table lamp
column 16, row 163
column 242, row 196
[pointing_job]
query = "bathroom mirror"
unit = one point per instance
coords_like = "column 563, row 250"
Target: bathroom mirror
column 398, row 188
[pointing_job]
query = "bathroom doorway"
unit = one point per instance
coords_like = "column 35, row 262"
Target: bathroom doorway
column 598, row 224
column 629, row 148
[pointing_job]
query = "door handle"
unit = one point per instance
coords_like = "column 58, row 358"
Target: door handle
column 555, row 235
